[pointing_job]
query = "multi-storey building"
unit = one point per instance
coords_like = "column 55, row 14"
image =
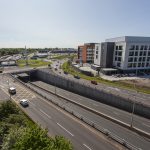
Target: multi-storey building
column 131, row 53
column 103, row 55
column 86, row 53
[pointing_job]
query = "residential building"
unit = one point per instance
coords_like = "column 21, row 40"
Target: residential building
column 131, row 53
column 86, row 53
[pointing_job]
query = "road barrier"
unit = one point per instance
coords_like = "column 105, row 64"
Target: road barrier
column 85, row 120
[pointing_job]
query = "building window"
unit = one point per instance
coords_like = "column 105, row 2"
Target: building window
column 140, row 59
column 139, row 64
column 143, row 64
column 116, row 47
column 96, row 56
column 142, row 47
column 115, row 58
column 147, row 65
column 141, row 53
column 119, row 53
column 137, row 47
column 96, row 52
column 143, row 59
column 149, row 47
column 130, row 65
column 131, row 53
column 135, row 59
column 144, row 54
column 134, row 65
column 136, row 54
column 148, row 58
column 116, row 52
column 148, row 54
column 119, row 58
column 145, row 47
column 120, row 47
column 118, row 64
column 130, row 59
column 96, row 47
column 132, row 47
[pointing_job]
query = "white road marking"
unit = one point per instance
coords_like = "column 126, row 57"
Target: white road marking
column 32, row 103
column 87, row 147
column 146, row 125
column 65, row 129
column 45, row 114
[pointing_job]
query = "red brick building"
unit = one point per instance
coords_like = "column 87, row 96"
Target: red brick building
column 86, row 53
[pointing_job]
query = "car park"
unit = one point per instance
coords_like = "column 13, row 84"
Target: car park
column 24, row 102
column 12, row 90
column 76, row 76
column 94, row 82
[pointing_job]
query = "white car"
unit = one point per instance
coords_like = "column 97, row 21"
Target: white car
column 24, row 102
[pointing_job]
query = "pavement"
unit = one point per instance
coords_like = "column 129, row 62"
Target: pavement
column 57, row 121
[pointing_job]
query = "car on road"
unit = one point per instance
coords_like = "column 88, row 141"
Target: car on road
column 12, row 90
column 76, row 76
column 24, row 102
column 94, row 82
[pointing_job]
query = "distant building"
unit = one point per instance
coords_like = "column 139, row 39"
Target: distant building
column 42, row 53
column 86, row 53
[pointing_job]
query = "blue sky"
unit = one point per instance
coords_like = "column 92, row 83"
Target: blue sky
column 69, row 23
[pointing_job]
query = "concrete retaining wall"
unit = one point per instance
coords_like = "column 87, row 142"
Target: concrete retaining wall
column 90, row 92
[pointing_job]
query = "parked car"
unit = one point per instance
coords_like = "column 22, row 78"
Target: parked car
column 24, row 102
column 55, row 69
column 12, row 90
column 94, row 82
column 76, row 76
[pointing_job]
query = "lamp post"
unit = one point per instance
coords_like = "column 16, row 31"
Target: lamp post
column 133, row 108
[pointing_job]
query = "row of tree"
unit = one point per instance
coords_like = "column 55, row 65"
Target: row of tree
column 18, row 132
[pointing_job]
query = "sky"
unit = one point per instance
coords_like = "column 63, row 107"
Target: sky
column 69, row 23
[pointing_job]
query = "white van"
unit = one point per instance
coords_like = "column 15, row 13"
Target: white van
column 12, row 90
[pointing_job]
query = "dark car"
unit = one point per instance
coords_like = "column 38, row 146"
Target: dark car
column 76, row 76
column 65, row 72
column 24, row 102
column 94, row 82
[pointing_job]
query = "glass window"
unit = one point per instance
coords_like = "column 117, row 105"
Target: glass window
column 145, row 47
column 148, row 53
column 118, row 64
column 119, row 53
column 96, row 52
column 140, row 59
column 120, row 47
column 142, row 47
column 96, row 56
column 135, row 59
column 148, row 58
column 143, row 64
column 144, row 54
column 130, row 59
column 141, row 53
column 136, row 54
column 134, row 65
column 139, row 64
column 137, row 47
column 131, row 53
column 147, row 65
column 116, row 53
column 143, row 58
column 119, row 58
column 132, row 47
column 115, row 58
column 129, row 65
column 116, row 47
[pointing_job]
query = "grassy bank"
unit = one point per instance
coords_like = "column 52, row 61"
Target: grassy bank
column 68, row 68
column 32, row 63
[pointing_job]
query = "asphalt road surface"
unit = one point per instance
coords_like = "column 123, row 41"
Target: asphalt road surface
column 57, row 121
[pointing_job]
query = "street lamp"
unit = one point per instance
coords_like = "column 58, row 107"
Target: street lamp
column 133, row 107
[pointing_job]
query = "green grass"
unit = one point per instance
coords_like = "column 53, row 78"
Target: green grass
column 64, row 56
column 32, row 63
column 68, row 68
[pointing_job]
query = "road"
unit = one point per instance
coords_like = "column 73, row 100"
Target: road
column 129, row 94
column 57, row 121
column 138, row 122
column 124, row 133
